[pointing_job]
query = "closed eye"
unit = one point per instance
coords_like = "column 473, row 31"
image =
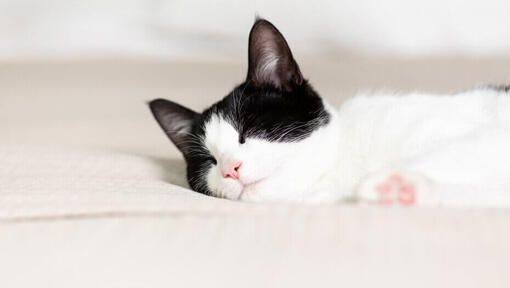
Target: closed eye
column 241, row 139
column 212, row 160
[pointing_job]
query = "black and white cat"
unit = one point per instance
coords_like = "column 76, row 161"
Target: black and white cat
column 273, row 139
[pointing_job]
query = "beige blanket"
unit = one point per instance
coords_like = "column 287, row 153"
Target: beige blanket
column 93, row 194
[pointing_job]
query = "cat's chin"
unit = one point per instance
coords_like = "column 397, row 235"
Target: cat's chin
column 249, row 192
column 235, row 190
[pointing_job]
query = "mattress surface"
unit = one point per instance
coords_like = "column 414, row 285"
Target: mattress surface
column 93, row 194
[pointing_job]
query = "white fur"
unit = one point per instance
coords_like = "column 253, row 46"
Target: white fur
column 461, row 143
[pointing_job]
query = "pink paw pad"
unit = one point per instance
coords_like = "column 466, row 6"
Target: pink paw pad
column 399, row 187
column 395, row 189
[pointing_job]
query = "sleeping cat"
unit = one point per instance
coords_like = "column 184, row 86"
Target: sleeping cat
column 274, row 139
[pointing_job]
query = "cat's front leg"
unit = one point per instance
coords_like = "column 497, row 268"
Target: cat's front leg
column 397, row 187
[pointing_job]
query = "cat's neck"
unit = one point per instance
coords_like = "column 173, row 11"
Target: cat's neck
column 320, row 161
column 340, row 171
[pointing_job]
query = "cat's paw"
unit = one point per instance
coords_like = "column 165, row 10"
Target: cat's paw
column 399, row 188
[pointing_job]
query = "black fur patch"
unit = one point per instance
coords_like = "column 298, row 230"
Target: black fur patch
column 272, row 114
column 504, row 88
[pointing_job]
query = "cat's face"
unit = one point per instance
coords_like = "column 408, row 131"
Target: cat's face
column 247, row 145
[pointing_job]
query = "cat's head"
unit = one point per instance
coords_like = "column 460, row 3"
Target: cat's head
column 249, row 144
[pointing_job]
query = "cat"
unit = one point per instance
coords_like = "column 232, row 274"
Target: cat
column 274, row 139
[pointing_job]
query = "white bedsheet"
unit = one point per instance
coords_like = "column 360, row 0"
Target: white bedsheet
column 93, row 195
column 84, row 218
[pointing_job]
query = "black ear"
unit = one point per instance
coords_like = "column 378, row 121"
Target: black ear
column 175, row 120
column 270, row 59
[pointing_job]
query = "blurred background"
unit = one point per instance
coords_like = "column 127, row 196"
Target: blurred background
column 217, row 30
column 79, row 72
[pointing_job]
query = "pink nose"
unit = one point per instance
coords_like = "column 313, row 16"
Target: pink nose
column 230, row 168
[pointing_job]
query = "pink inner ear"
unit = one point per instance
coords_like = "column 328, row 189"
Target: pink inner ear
column 267, row 67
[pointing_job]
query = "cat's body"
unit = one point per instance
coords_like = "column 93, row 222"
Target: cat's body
column 460, row 143
column 273, row 139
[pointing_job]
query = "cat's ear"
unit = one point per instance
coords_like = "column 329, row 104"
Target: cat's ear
column 175, row 120
column 270, row 61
